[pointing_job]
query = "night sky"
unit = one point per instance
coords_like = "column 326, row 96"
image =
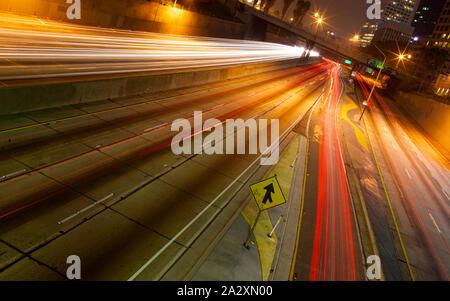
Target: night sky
column 345, row 17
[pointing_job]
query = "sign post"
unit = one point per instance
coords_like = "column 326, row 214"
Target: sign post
column 267, row 194
column 252, row 229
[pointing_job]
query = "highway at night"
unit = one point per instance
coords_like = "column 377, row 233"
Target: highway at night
column 220, row 141
column 83, row 168
column 329, row 243
column 36, row 50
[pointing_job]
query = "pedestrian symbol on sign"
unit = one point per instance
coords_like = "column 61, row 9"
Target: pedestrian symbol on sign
column 269, row 190
column 267, row 193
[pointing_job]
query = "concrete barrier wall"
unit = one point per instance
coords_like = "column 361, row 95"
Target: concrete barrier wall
column 432, row 116
column 129, row 14
column 23, row 99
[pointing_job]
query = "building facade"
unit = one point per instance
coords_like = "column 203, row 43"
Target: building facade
column 426, row 17
column 441, row 39
column 395, row 23
column 368, row 32
column 441, row 32
column 399, row 10
column 390, row 30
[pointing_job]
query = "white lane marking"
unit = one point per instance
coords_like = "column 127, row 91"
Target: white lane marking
column 155, row 127
column 434, row 222
column 13, row 174
column 84, row 209
column 171, row 241
column 407, row 172
column 444, row 190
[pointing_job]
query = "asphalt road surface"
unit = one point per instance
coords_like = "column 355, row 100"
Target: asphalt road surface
column 100, row 180
column 329, row 242
column 419, row 183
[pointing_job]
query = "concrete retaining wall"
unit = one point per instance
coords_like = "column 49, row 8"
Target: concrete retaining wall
column 129, row 14
column 23, row 99
column 433, row 116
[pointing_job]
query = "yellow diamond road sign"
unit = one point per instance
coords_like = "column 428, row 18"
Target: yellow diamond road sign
column 267, row 193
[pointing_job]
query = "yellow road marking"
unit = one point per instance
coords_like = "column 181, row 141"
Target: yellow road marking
column 390, row 205
column 321, row 98
column 267, row 246
column 359, row 134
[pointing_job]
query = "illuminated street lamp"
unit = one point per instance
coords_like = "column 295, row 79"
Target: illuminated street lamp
column 402, row 57
column 355, row 38
column 365, row 104
column 375, row 83
column 319, row 21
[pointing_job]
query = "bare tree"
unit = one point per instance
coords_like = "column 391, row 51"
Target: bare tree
column 286, row 4
column 261, row 4
column 297, row 10
column 269, row 5
column 301, row 9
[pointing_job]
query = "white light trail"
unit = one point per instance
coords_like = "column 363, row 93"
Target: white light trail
column 33, row 49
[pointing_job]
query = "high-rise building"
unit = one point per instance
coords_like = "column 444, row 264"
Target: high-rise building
column 367, row 32
column 441, row 32
column 441, row 39
column 395, row 23
column 390, row 30
column 427, row 16
column 399, row 10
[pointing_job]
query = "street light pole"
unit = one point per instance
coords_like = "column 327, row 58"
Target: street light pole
column 319, row 21
column 375, row 83
column 365, row 104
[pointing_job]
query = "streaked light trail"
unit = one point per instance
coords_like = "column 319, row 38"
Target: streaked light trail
column 33, row 49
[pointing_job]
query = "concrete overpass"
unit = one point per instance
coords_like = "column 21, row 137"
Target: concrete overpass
column 257, row 29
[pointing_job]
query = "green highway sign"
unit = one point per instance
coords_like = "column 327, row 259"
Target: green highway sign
column 375, row 63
